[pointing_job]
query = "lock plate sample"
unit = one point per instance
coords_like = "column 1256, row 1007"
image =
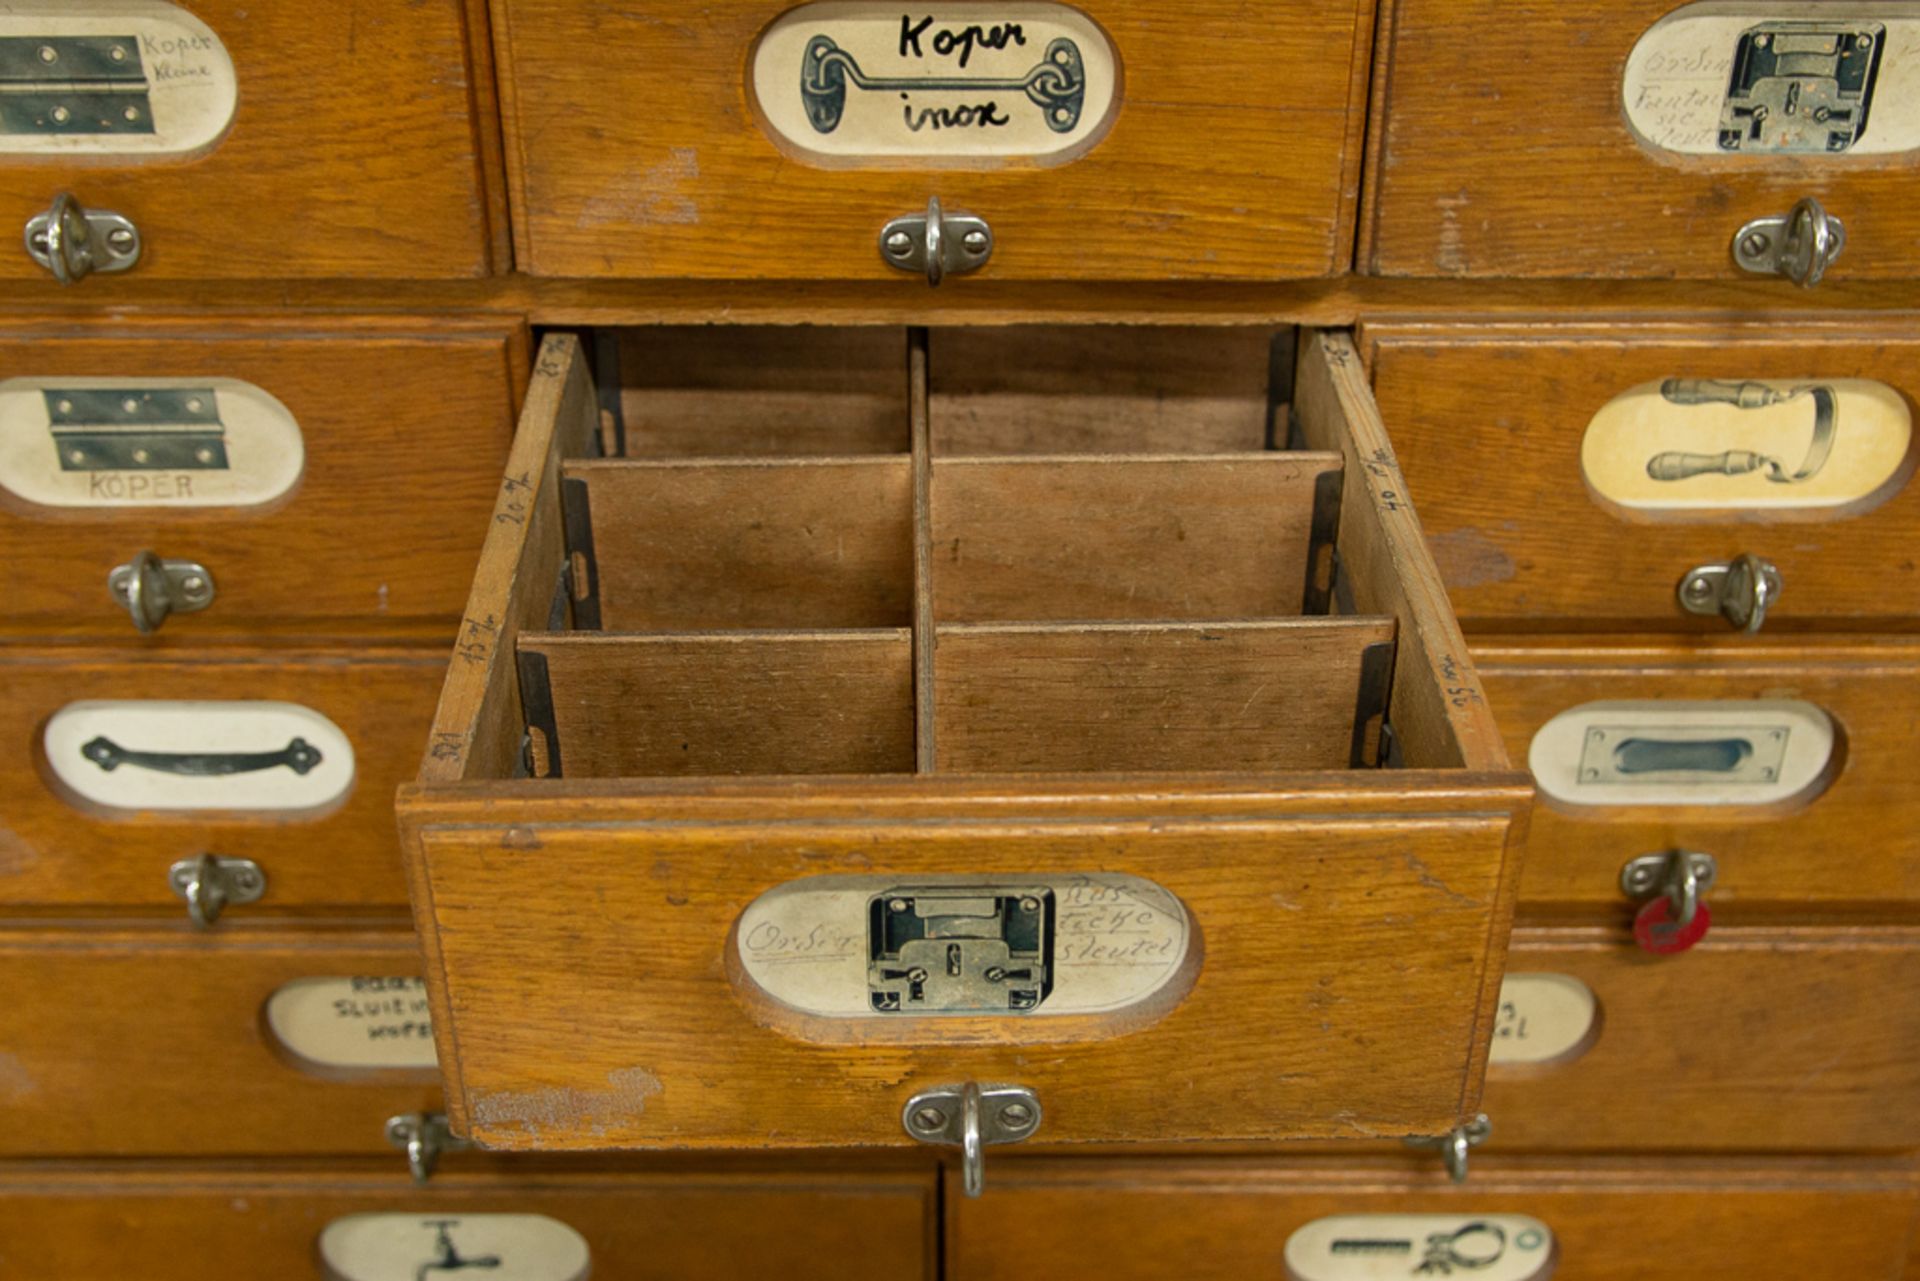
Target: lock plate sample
column 1683, row 752
column 129, row 78
column 1801, row 86
column 146, row 442
column 150, row 754
column 960, row 949
column 882, row 948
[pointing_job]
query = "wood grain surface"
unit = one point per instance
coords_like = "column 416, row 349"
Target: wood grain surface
column 1488, row 421
column 358, row 149
column 693, row 187
column 184, row 1222
column 57, row 856
column 1771, row 861
column 360, row 547
column 1613, row 1221
column 1480, row 169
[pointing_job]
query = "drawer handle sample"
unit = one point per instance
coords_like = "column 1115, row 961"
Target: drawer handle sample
column 298, row 755
column 423, row 1136
column 1454, row 1145
column 1678, row 465
column 73, row 242
column 395, row 1247
column 357, row 1024
column 1799, row 245
column 1744, row 752
column 936, row 243
column 151, row 589
column 1675, row 916
column 971, row 1117
column 1543, row 1018
column 1057, row 84
column 210, row 883
column 1741, row 591
column 1366, row 1247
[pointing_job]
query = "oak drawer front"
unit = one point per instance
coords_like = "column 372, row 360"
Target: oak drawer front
column 780, row 139
column 907, row 745
column 213, row 1076
column 360, row 146
column 1643, row 109
column 1851, row 707
column 1760, row 1040
column 330, row 476
column 1608, row 462
column 287, row 759
column 182, row 1222
column 1778, row 1220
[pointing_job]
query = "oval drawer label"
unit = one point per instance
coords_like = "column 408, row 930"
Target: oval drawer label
column 1543, row 1018
column 140, row 754
column 850, row 82
column 403, row 1247
column 359, row 1023
column 146, row 442
column 1679, row 752
column 886, row 947
column 111, row 78
column 1374, row 1247
column 1792, row 79
column 1715, row 446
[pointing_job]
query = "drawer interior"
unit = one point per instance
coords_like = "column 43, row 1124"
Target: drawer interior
column 820, row 551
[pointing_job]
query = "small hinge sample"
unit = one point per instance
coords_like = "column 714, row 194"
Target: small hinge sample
column 1370, row 704
column 606, row 385
column 576, row 513
column 59, row 85
column 536, row 701
column 1321, row 537
column 171, row 429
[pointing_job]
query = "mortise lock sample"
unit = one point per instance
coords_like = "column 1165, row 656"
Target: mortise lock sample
column 937, row 950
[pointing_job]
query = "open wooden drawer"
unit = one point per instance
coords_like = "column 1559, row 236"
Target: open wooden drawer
column 904, row 711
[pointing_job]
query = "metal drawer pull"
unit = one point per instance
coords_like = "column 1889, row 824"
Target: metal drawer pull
column 298, row 755
column 936, row 243
column 423, row 1136
column 150, row 589
column 971, row 1117
column 1800, row 245
column 1676, row 465
column 1741, row 591
column 1675, row 883
column 209, row 883
column 1057, row 84
column 71, row 241
column 1454, row 1145
column 1666, row 756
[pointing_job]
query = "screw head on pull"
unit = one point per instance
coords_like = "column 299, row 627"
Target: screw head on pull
column 929, row 1120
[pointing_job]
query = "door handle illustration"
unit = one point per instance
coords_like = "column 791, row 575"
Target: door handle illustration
column 298, row 755
column 1677, row 465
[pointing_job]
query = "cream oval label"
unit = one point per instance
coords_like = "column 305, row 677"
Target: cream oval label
column 883, row 947
column 1379, row 1247
column 851, row 82
column 151, row 754
column 1683, row 752
column 407, row 1247
column 1543, row 1018
column 1712, row 446
column 1778, row 79
column 126, row 78
column 146, row 442
column 362, row 1023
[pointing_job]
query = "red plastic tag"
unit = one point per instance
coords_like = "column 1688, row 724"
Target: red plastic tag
column 1655, row 930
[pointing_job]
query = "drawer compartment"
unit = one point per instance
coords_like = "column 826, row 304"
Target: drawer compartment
column 1772, row 844
column 1606, row 462
column 85, row 832
column 1645, row 110
column 1095, row 719
column 1777, row 1220
column 1747, row 1019
column 364, row 148
column 784, row 137
column 193, row 1011
column 59, row 1222
column 282, row 456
